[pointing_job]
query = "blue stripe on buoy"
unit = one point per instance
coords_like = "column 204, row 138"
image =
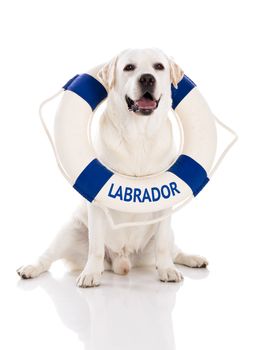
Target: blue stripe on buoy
column 191, row 172
column 182, row 89
column 87, row 87
column 92, row 179
column 69, row 82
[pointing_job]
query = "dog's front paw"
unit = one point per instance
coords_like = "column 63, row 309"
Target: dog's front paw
column 29, row 271
column 86, row 280
column 170, row 275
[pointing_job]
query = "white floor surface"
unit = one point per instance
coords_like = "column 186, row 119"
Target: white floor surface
column 136, row 312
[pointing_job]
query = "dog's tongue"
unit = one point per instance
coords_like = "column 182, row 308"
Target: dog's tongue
column 146, row 103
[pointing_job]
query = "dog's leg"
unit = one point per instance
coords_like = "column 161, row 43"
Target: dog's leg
column 65, row 244
column 91, row 275
column 35, row 269
column 190, row 260
column 163, row 255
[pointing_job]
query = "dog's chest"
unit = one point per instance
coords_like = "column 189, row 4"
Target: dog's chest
column 130, row 239
column 135, row 153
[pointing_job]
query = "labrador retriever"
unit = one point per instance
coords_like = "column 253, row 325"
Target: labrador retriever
column 135, row 138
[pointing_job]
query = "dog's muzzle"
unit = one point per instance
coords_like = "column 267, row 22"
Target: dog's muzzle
column 145, row 105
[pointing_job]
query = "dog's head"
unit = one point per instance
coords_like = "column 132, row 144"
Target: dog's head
column 139, row 82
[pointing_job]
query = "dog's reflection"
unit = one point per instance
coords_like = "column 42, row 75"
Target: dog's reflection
column 125, row 312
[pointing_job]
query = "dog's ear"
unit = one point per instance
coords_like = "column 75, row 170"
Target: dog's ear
column 107, row 74
column 176, row 73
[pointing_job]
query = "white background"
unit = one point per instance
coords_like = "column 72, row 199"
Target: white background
column 222, row 46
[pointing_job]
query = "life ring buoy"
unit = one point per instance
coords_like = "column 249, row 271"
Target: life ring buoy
column 186, row 177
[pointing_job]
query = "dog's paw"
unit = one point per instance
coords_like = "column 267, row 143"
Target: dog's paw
column 86, row 280
column 191, row 260
column 170, row 275
column 197, row 261
column 29, row 271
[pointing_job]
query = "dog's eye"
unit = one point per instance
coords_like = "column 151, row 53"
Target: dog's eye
column 159, row 66
column 129, row 67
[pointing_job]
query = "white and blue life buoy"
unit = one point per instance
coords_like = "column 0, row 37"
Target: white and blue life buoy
column 185, row 178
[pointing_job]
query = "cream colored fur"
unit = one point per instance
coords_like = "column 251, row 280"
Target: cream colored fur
column 135, row 145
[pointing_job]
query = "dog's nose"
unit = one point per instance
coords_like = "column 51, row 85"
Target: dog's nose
column 147, row 80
